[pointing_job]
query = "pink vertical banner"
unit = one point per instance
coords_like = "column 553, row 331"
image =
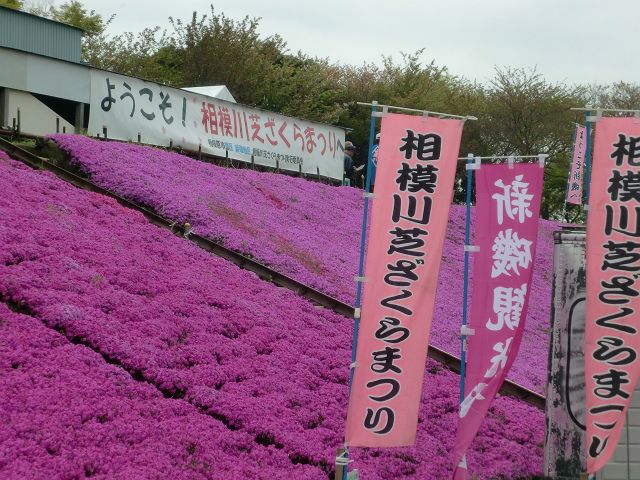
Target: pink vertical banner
column 414, row 189
column 574, row 185
column 612, row 336
column 507, row 209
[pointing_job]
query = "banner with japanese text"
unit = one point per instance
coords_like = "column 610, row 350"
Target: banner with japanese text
column 507, row 213
column 128, row 107
column 612, row 339
column 574, row 185
column 414, row 188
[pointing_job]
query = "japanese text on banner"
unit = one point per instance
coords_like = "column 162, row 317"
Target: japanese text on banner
column 414, row 187
column 612, row 342
column 508, row 207
column 128, row 106
column 574, row 185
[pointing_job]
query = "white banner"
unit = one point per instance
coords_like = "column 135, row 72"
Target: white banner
column 128, row 107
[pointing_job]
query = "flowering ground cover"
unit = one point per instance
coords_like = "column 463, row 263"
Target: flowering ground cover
column 261, row 360
column 306, row 230
column 65, row 413
column 299, row 227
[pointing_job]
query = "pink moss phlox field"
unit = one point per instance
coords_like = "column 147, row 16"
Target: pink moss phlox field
column 65, row 413
column 306, row 230
column 265, row 362
column 301, row 228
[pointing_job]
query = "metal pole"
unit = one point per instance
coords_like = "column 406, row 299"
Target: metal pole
column 341, row 468
column 363, row 233
column 465, row 288
column 465, row 291
column 375, row 104
column 628, row 449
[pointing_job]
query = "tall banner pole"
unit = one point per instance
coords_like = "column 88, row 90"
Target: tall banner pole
column 344, row 458
column 464, row 331
column 465, row 288
column 587, row 186
column 363, row 233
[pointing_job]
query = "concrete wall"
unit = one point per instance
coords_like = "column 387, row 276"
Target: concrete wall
column 34, row 73
column 35, row 117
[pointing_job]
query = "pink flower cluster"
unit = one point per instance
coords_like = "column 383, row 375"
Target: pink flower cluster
column 67, row 414
column 306, row 230
column 262, row 361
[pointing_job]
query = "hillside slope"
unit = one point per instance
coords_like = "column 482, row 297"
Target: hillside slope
column 306, row 230
column 261, row 361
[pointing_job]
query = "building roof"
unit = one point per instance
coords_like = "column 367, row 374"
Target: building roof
column 42, row 36
column 215, row 91
column 21, row 12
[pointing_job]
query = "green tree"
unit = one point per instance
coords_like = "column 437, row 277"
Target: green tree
column 414, row 82
column 149, row 54
column 302, row 86
column 527, row 115
column 618, row 95
column 15, row 4
column 74, row 13
column 217, row 50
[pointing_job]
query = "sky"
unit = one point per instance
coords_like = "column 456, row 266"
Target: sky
column 569, row 41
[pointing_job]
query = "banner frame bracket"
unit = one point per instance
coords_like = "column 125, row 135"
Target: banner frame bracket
column 465, row 331
column 475, row 165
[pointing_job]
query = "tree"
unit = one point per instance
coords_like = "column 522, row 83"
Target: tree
column 527, row 115
column 412, row 83
column 618, row 95
column 217, row 50
column 15, row 4
column 149, row 54
column 305, row 87
column 73, row 13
